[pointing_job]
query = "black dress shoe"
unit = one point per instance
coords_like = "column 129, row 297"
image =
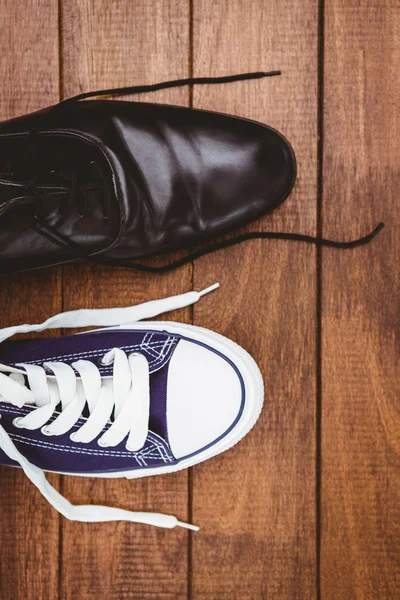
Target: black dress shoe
column 114, row 181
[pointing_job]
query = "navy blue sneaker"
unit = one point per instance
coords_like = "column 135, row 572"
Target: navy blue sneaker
column 129, row 400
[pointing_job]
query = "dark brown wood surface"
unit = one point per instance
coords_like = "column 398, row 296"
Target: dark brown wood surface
column 114, row 46
column 29, row 529
column 307, row 505
column 256, row 503
column 360, row 490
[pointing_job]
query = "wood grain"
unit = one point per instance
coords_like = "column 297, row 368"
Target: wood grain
column 28, row 525
column 105, row 45
column 360, row 328
column 256, row 503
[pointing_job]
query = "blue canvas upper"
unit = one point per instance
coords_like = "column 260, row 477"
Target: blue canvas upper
column 61, row 453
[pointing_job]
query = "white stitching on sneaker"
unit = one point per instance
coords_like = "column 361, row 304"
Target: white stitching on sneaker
column 145, row 453
column 92, row 353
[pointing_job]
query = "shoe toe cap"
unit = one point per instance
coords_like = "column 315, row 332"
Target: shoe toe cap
column 248, row 173
column 204, row 398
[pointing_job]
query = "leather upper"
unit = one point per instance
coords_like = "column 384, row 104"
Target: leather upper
column 164, row 178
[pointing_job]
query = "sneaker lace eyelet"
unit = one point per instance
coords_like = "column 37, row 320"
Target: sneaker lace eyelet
column 45, row 431
column 102, row 444
column 17, row 424
column 105, row 363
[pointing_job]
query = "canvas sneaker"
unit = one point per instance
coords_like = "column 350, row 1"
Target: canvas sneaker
column 131, row 399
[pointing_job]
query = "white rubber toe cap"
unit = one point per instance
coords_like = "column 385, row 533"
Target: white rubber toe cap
column 204, row 398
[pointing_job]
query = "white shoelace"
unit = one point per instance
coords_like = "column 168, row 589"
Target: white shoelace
column 126, row 394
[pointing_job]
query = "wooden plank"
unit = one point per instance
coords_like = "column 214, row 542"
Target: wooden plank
column 256, row 503
column 360, row 327
column 28, row 526
column 105, row 45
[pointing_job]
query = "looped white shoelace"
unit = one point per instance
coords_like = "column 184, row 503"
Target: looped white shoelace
column 126, row 394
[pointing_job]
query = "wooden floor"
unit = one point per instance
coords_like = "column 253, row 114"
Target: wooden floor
column 308, row 505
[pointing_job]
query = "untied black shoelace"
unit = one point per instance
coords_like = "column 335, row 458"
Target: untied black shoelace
column 60, row 240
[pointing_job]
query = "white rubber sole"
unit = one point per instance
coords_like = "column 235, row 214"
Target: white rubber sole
column 254, row 396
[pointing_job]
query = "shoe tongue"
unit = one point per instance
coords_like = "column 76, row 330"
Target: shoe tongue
column 63, row 171
column 13, row 195
column 68, row 208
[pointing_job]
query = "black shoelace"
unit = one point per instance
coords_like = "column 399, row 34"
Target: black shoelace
column 252, row 235
column 77, row 193
column 60, row 240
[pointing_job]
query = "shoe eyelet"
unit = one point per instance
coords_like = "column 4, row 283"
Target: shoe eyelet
column 102, row 444
column 129, row 448
column 16, row 423
column 104, row 363
column 45, row 431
